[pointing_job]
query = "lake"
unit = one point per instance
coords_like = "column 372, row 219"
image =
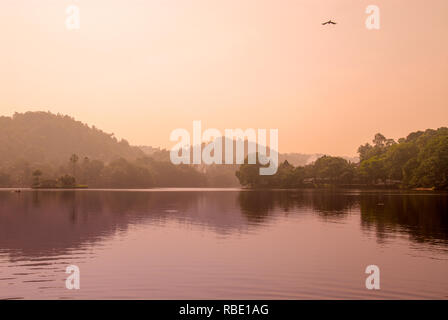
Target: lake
column 223, row 244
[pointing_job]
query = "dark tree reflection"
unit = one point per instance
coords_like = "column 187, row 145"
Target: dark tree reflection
column 424, row 217
column 38, row 223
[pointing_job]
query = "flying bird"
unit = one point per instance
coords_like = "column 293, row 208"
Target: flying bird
column 328, row 22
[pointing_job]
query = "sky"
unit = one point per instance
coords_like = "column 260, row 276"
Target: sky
column 142, row 68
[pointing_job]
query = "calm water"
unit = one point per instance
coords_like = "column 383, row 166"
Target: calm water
column 221, row 244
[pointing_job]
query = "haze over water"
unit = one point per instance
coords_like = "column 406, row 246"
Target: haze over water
column 223, row 244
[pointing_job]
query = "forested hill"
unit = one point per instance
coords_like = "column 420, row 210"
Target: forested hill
column 43, row 137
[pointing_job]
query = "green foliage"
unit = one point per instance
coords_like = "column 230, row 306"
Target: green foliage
column 372, row 169
column 418, row 161
column 432, row 164
column 334, row 170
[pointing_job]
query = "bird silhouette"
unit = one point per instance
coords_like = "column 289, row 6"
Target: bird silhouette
column 328, row 22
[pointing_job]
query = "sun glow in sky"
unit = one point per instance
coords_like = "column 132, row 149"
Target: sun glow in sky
column 142, row 68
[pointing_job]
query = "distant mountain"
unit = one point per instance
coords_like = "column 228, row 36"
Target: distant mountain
column 43, row 137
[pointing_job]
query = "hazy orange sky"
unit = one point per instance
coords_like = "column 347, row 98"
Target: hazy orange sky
column 141, row 68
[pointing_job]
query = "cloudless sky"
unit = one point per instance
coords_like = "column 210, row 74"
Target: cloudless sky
column 141, row 68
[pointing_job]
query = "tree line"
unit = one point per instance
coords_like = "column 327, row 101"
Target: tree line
column 43, row 149
column 418, row 161
column 121, row 173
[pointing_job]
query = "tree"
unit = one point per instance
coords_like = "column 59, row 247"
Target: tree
column 364, row 151
column 285, row 176
column 333, row 170
column 379, row 140
column 396, row 157
column 420, row 160
column 372, row 170
column 249, row 175
column 432, row 169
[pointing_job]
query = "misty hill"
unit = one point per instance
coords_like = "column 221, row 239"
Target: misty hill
column 45, row 150
column 43, row 137
column 296, row 159
column 225, row 175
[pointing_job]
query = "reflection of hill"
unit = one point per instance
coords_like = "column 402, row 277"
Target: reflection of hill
column 34, row 224
column 47, row 223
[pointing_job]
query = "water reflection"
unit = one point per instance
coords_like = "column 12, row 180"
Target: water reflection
column 48, row 223
column 259, row 205
column 231, row 244
column 424, row 217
